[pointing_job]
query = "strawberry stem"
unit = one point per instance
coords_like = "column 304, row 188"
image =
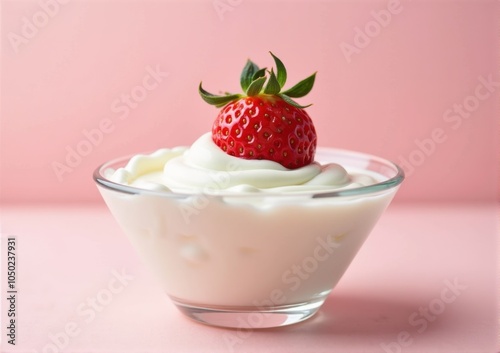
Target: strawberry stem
column 280, row 71
column 302, row 88
column 256, row 86
column 218, row 101
column 273, row 86
column 247, row 75
column 253, row 79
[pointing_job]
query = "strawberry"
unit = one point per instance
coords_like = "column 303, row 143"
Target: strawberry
column 265, row 123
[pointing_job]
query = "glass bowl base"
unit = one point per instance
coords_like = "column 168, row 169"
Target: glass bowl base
column 249, row 317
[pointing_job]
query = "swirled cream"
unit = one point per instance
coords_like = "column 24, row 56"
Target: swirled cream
column 204, row 167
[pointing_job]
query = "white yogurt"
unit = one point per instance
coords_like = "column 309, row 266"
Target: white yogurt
column 249, row 233
column 204, row 167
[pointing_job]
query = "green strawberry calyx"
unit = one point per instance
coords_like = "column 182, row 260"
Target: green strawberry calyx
column 255, row 81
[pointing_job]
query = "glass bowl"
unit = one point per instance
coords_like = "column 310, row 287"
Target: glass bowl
column 252, row 260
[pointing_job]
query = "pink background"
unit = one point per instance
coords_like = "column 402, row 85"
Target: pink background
column 395, row 90
column 389, row 98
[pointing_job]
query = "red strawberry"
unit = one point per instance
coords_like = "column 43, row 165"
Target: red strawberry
column 265, row 123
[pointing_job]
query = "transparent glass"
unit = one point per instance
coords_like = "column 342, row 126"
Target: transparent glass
column 247, row 260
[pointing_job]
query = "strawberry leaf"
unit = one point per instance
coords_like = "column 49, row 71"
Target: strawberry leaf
column 247, row 75
column 256, row 86
column 302, row 88
column 280, row 71
column 218, row 101
column 273, row 86
column 292, row 102
column 260, row 73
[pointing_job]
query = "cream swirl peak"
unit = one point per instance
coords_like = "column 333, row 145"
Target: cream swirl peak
column 204, row 167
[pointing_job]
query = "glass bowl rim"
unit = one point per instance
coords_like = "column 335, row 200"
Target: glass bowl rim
column 386, row 184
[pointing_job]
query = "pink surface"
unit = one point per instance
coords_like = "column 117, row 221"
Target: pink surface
column 392, row 79
column 440, row 258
